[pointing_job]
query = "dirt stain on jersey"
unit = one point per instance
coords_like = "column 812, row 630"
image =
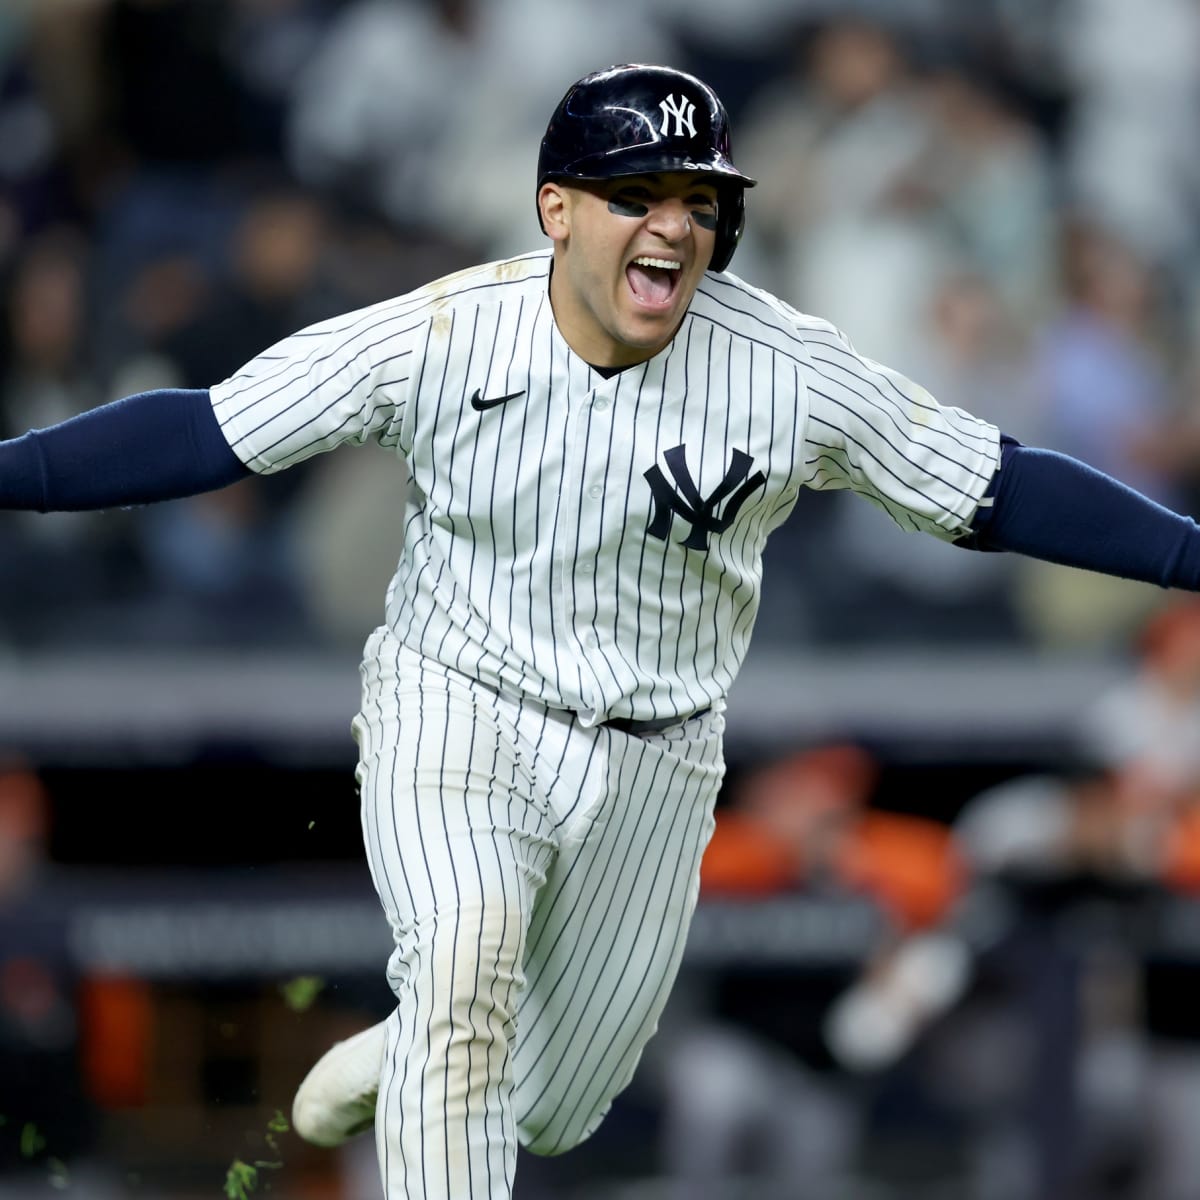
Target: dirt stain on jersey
column 923, row 407
column 510, row 269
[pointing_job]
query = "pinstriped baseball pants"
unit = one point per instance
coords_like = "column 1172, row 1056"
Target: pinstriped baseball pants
column 538, row 878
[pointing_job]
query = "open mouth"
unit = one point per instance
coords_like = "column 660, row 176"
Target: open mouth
column 653, row 280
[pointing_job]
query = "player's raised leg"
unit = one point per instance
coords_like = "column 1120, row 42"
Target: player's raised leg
column 456, row 852
column 609, row 928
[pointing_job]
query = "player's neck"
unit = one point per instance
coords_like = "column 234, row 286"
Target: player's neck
column 588, row 337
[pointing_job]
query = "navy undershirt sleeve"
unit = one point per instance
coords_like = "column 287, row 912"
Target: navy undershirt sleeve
column 1051, row 506
column 158, row 445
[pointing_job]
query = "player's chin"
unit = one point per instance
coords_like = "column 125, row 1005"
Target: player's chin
column 649, row 332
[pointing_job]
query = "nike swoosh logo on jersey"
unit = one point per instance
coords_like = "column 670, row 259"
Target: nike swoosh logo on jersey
column 479, row 404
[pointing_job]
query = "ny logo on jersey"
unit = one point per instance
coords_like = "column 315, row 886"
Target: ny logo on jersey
column 699, row 511
column 682, row 110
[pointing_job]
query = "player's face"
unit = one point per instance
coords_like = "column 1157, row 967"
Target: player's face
column 629, row 255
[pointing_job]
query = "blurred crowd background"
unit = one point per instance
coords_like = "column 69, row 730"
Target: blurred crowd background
column 968, row 977
column 998, row 199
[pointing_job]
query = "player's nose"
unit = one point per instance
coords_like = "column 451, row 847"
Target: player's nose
column 671, row 219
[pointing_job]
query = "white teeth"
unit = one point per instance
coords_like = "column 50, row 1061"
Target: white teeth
column 645, row 260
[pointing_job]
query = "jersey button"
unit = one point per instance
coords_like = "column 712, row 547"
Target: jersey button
column 585, row 568
column 601, row 404
column 592, row 640
column 595, row 491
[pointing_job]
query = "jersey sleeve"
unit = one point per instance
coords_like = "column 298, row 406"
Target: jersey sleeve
column 875, row 431
column 342, row 380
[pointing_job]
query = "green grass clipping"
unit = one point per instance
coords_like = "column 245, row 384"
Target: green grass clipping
column 300, row 994
column 241, row 1180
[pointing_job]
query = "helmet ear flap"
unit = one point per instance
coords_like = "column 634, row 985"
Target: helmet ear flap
column 731, row 220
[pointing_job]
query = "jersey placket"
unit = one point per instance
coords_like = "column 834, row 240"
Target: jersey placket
column 584, row 502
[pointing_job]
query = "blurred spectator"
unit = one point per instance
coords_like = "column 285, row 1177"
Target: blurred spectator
column 831, row 143
column 367, row 131
column 221, row 567
column 749, row 29
column 221, row 571
column 24, row 830
column 271, row 43
column 33, row 191
column 1055, row 985
column 1134, row 75
column 269, row 285
column 158, row 57
column 344, row 562
column 1147, row 728
column 986, row 178
column 70, row 1044
column 1103, row 363
column 182, row 127
column 876, row 587
column 968, row 190
column 976, row 354
column 735, row 48
column 487, row 165
column 1174, row 449
column 39, row 1075
column 806, row 823
column 913, row 158
column 1098, row 860
column 165, row 295
column 1002, row 1008
column 759, row 1088
column 1150, row 721
column 1101, row 370
column 45, row 378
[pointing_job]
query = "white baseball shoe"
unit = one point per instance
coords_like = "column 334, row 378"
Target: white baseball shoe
column 337, row 1099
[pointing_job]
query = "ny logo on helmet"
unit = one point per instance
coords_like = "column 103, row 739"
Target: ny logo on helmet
column 699, row 511
column 682, row 109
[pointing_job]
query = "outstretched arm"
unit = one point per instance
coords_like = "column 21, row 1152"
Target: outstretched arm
column 158, row 445
column 1050, row 506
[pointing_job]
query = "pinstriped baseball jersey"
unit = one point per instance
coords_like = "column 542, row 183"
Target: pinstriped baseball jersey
column 596, row 543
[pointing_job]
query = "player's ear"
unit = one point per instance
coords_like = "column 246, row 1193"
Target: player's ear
column 552, row 204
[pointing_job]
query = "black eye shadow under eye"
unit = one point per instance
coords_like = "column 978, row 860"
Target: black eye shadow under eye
column 705, row 218
column 624, row 206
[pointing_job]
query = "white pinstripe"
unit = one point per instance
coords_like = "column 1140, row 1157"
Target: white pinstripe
column 538, row 868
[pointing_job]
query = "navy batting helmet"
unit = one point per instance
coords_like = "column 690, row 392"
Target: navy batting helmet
column 638, row 120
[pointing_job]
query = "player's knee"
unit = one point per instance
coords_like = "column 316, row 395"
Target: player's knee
column 474, row 965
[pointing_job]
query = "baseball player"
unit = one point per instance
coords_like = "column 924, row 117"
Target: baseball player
column 600, row 438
